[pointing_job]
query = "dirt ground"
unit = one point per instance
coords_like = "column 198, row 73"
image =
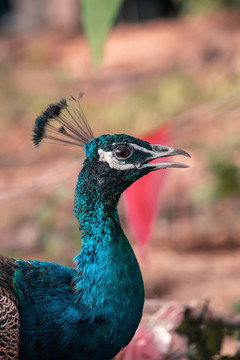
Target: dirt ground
column 196, row 276
column 194, row 269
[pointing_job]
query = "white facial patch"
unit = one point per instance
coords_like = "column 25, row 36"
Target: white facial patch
column 107, row 156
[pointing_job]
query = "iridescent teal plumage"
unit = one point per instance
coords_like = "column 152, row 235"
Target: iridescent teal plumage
column 93, row 311
column 90, row 312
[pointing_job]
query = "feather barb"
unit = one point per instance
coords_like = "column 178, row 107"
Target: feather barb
column 63, row 122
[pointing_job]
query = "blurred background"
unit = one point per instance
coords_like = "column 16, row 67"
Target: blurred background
column 169, row 61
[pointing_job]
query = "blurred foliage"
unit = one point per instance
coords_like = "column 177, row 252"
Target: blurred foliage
column 205, row 341
column 204, row 6
column 48, row 215
column 224, row 181
column 226, row 176
column 236, row 307
column 224, row 169
column 98, row 17
column 148, row 106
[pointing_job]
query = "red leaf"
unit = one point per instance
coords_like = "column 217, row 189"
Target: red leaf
column 143, row 198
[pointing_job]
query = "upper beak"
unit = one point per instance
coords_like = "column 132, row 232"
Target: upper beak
column 160, row 151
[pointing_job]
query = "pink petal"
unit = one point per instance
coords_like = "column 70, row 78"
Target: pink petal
column 170, row 316
column 142, row 347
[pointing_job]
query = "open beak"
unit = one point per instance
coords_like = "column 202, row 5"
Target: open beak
column 160, row 151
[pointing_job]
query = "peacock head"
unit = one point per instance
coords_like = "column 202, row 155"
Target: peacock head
column 125, row 159
column 120, row 159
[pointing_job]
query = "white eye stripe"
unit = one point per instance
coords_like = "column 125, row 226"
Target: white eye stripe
column 107, row 156
column 140, row 148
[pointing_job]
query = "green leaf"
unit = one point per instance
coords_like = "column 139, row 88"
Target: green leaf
column 212, row 339
column 98, row 17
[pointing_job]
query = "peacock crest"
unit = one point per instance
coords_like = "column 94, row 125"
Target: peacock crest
column 63, row 122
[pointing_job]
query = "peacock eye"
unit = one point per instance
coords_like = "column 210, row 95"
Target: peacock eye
column 122, row 152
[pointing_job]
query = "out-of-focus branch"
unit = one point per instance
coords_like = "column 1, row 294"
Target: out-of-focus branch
column 202, row 313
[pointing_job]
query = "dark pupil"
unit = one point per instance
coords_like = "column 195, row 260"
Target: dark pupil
column 122, row 152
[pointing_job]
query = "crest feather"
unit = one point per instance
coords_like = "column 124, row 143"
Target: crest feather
column 63, row 122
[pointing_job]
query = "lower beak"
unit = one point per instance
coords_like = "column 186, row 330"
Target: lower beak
column 160, row 151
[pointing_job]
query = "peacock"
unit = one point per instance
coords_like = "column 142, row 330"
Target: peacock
column 89, row 312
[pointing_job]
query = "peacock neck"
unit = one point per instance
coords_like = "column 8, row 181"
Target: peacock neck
column 94, row 208
column 106, row 257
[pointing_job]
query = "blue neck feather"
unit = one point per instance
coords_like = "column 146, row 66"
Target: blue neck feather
column 107, row 268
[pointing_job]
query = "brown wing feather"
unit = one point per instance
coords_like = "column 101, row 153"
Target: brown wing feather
column 9, row 316
column 9, row 326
